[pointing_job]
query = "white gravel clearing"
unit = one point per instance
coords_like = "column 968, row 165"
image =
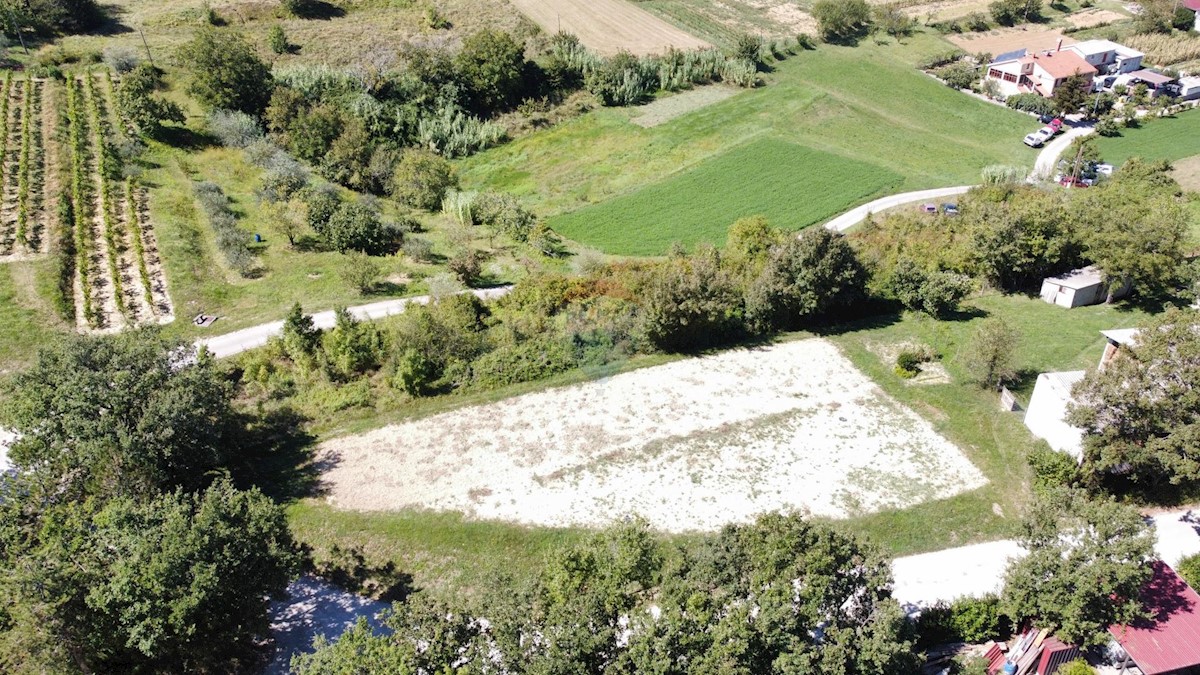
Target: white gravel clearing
column 314, row 607
column 690, row 445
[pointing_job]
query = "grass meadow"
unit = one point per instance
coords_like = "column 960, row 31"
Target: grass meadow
column 793, row 186
column 1169, row 138
column 27, row 319
column 866, row 104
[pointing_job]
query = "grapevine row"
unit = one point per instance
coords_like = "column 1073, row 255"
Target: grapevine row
column 138, row 246
column 23, row 165
column 104, row 162
column 4, row 121
column 79, row 197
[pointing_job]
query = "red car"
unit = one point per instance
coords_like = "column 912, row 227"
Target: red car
column 1067, row 181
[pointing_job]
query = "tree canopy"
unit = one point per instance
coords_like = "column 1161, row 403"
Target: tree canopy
column 841, row 20
column 1085, row 569
column 225, row 72
column 780, row 595
column 1141, row 413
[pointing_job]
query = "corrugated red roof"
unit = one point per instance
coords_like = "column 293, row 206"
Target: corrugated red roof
column 1193, row 5
column 1171, row 640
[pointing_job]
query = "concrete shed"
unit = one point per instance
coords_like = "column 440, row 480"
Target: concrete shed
column 1078, row 289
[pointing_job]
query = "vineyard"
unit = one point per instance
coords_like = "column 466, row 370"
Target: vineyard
column 110, row 264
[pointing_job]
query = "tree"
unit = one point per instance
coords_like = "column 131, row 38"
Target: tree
column 990, row 356
column 129, row 414
column 1135, row 228
column 176, row 582
column 491, row 65
column 749, row 242
column 841, row 20
column 1021, row 237
column 321, row 203
column 300, row 335
column 49, row 17
column 1085, row 569
column 421, row 179
column 136, row 100
column 689, row 303
column 351, row 347
column 360, row 272
column 225, row 72
column 1009, row 12
column 779, row 595
column 959, row 75
column 936, row 292
column 892, row 20
column 808, row 276
column 503, row 214
column 1139, row 414
column 1070, row 96
column 355, row 226
column 1189, row 569
column 284, row 218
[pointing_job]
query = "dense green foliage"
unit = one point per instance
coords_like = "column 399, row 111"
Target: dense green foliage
column 1009, row 12
column 990, row 356
column 791, row 185
column 1189, row 569
column 841, row 20
column 971, row 620
column 421, row 178
column 1139, row 414
column 226, row 73
column 53, row 16
column 122, row 547
column 776, row 596
column 138, row 105
column 1085, row 569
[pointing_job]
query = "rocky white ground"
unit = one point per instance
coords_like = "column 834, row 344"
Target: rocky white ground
column 690, row 445
column 314, row 608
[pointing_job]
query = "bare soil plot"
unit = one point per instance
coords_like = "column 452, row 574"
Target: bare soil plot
column 663, row 110
column 1094, row 17
column 608, row 26
column 1008, row 39
column 946, row 9
column 690, row 445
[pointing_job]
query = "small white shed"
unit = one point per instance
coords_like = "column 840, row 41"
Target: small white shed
column 1047, row 413
column 1078, row 289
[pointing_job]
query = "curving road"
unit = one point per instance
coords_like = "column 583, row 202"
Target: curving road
column 256, row 336
column 856, row 215
column 1047, row 160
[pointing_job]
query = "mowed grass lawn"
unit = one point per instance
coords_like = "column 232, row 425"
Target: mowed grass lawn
column 866, row 104
column 793, row 186
column 1169, row 138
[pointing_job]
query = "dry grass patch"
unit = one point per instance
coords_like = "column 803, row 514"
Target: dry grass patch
column 667, row 108
column 1003, row 40
column 1094, row 17
column 689, row 445
column 1187, row 172
column 608, row 26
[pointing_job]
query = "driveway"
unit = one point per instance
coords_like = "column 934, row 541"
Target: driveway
column 1047, row 160
column 857, row 215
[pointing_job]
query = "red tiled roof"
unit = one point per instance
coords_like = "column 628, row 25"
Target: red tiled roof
column 1193, row 5
column 1062, row 64
column 1171, row 640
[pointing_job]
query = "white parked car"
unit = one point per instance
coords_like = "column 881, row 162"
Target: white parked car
column 1037, row 138
column 1104, row 169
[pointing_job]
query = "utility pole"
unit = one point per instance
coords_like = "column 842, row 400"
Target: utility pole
column 149, row 56
column 17, row 29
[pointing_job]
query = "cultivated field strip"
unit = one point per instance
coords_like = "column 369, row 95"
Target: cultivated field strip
column 119, row 273
column 25, row 220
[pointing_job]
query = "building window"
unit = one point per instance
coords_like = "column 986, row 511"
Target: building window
column 1009, row 77
column 994, row 74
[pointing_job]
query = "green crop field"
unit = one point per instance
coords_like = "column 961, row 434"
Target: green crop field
column 866, row 104
column 793, row 186
column 1169, row 138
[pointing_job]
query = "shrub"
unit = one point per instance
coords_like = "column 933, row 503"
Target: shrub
column 420, row 250
column 908, row 363
column 226, row 73
column 453, row 133
column 1076, row 667
column 231, row 241
column 277, row 39
column 524, row 361
column 360, row 272
column 1003, row 174
column 121, row 59
column 1189, row 569
column 421, row 179
column 467, row 266
column 977, row 22
column 284, row 177
column 971, row 620
column 234, row 129
column 1032, row 103
column 1052, row 469
column 841, row 20
column 503, row 214
column 960, row 74
column 355, row 226
column 941, row 59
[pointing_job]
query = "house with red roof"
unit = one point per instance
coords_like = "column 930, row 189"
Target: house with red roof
column 1041, row 73
column 1193, row 5
column 1168, row 643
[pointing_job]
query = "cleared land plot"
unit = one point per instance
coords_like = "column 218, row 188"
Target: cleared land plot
column 1169, row 138
column 663, row 110
column 1187, row 172
column 1094, row 17
column 690, row 445
column 1003, row 40
column 722, row 21
column 608, row 26
column 793, row 186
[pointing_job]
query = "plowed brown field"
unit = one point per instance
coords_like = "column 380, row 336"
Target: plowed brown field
column 608, row 26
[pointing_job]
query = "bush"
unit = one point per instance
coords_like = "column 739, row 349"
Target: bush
column 277, row 39
column 1032, row 103
column 121, row 59
column 841, row 20
column 1189, row 569
column 418, row 249
column 1052, row 469
column 360, row 272
column 231, row 240
column 421, row 179
column 453, row 133
column 1076, row 667
column 467, row 266
column 234, row 129
column 503, row 214
column 960, row 75
column 226, row 73
column 908, row 363
column 971, row 620
column 355, row 226
column 941, row 59
column 977, row 22
column 525, row 361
